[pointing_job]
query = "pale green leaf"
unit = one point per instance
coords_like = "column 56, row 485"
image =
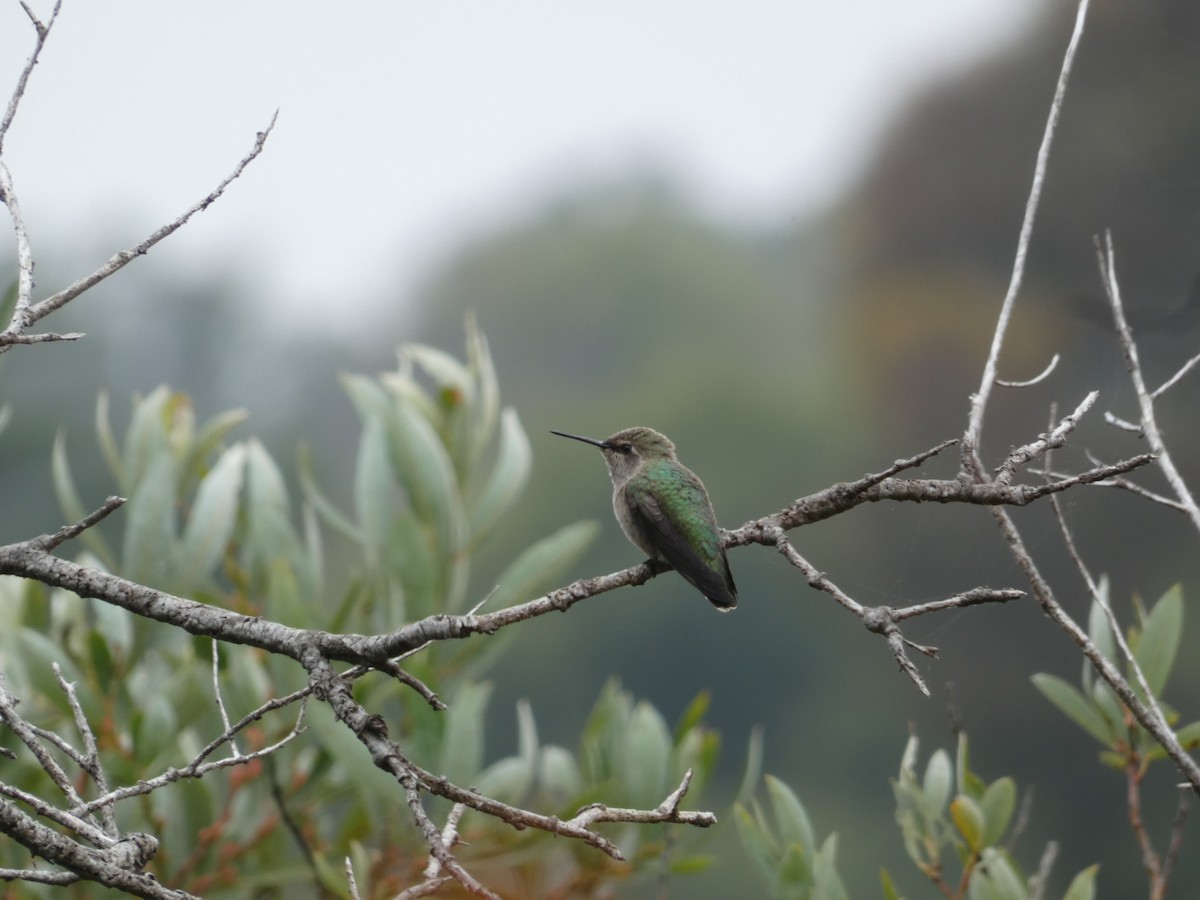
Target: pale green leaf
column 827, row 884
column 146, row 438
column 538, row 565
column 210, row 438
column 420, row 462
column 108, row 441
column 325, row 508
column 1099, row 629
column 996, row 879
column 375, row 497
column 968, row 819
column 487, row 407
column 212, row 519
column 791, row 820
column 72, row 504
column 793, row 873
column 463, row 736
column 647, row 755
column 1189, row 736
column 997, row 805
column 757, row 842
column 1074, row 706
column 559, row 776
column 1159, row 639
column 527, row 736
column 150, row 523
column 888, row 886
column 1083, row 885
column 507, row 478
column 754, row 759
column 939, row 778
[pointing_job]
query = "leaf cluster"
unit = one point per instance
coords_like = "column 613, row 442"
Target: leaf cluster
column 440, row 464
column 1154, row 644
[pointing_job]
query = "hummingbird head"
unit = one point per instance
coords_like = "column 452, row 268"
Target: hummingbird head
column 628, row 449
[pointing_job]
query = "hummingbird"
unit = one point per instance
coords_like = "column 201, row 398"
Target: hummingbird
column 664, row 510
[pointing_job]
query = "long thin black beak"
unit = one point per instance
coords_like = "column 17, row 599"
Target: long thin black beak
column 578, row 437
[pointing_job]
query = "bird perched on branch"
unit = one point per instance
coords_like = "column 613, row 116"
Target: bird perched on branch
column 664, row 510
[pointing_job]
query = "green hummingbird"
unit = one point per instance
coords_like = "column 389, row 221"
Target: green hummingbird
column 664, row 510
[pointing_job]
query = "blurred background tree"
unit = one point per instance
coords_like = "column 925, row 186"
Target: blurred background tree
column 779, row 359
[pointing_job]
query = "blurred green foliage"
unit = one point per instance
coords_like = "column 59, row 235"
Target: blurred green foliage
column 949, row 812
column 210, row 517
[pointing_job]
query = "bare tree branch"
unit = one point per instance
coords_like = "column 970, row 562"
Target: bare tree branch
column 1148, row 421
column 26, row 314
column 970, row 444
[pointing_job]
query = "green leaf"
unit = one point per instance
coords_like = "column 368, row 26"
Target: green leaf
column 647, row 754
column 754, row 759
column 1075, row 706
column 1083, row 885
column 444, row 369
column 968, row 819
column 156, row 729
column 8, row 303
column 1189, row 736
column 791, row 821
column 420, row 463
column 793, row 872
column 558, row 776
column 375, row 499
column 888, row 886
column 212, row 519
column 150, row 523
column 690, row 865
column 996, row 879
column 106, row 438
column 1159, row 639
column 463, row 737
column 1099, row 629
column 827, row 884
column 1109, row 706
column 71, row 503
column 609, row 716
column 507, row 478
column 999, row 801
column 527, row 736
column 757, row 842
column 487, row 407
column 114, row 624
column 269, row 532
column 325, row 508
column 537, row 566
column 146, row 439
column 210, row 438
column 692, row 716
column 968, row 782
column 938, row 780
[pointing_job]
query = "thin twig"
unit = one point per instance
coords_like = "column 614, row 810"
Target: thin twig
column 970, row 444
column 1036, row 379
column 89, row 760
column 44, row 307
column 216, row 684
column 43, row 32
column 1149, row 423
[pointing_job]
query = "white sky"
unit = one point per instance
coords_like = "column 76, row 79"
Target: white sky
column 402, row 125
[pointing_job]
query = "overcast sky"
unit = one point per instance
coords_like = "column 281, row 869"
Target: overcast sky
column 404, row 125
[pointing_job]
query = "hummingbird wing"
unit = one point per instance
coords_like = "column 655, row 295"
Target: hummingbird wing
column 682, row 528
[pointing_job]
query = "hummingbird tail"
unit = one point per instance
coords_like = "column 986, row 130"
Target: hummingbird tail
column 724, row 602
